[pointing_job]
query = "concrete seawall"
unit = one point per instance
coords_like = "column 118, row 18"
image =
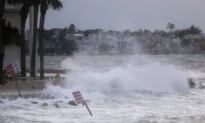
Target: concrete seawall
column 29, row 89
column 24, row 85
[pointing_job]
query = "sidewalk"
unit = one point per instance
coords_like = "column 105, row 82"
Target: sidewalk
column 24, row 94
column 31, row 88
column 28, row 85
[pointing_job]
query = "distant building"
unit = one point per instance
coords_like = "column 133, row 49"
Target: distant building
column 79, row 36
column 12, row 15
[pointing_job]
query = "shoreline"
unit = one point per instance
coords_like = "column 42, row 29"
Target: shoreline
column 28, row 89
column 12, row 95
column 59, row 71
column 29, row 85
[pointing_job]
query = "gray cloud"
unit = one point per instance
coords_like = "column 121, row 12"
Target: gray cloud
column 128, row 14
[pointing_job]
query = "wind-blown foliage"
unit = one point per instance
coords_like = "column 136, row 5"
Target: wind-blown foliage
column 53, row 4
column 170, row 26
column 188, row 40
column 11, row 36
column 26, row 4
column 2, row 5
column 44, row 6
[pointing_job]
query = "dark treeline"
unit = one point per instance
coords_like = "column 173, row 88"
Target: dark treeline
column 66, row 41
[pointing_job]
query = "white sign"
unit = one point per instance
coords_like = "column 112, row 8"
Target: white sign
column 10, row 70
column 16, row 67
column 78, row 97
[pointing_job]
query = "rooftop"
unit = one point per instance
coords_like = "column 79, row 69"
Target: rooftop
column 12, row 8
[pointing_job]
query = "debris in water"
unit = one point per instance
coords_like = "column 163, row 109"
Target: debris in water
column 59, row 102
column 56, row 105
column 34, row 102
column 201, row 86
column 72, row 102
column 45, row 104
column 1, row 102
column 191, row 83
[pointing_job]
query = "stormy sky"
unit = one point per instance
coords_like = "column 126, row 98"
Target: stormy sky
column 128, row 14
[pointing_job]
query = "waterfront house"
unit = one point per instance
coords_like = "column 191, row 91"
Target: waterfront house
column 12, row 15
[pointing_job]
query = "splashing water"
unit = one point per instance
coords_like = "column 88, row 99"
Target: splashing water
column 130, row 74
column 119, row 89
column 109, row 43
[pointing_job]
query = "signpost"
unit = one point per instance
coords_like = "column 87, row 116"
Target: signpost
column 79, row 100
column 13, row 69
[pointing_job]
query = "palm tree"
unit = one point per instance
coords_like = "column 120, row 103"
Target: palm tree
column 44, row 6
column 71, row 29
column 2, row 4
column 24, row 14
column 10, row 35
column 33, row 54
column 170, row 26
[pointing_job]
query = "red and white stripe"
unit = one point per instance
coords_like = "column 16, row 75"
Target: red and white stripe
column 10, row 70
column 78, row 97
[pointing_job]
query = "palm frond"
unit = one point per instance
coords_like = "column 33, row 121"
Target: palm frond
column 55, row 4
column 11, row 35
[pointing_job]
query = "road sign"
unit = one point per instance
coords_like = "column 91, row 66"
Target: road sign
column 10, row 70
column 79, row 99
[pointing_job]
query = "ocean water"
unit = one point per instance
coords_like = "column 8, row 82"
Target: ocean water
column 119, row 89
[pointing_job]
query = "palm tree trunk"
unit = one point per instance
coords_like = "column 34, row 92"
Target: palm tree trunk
column 1, row 69
column 33, row 55
column 41, row 45
column 2, row 4
column 24, row 15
